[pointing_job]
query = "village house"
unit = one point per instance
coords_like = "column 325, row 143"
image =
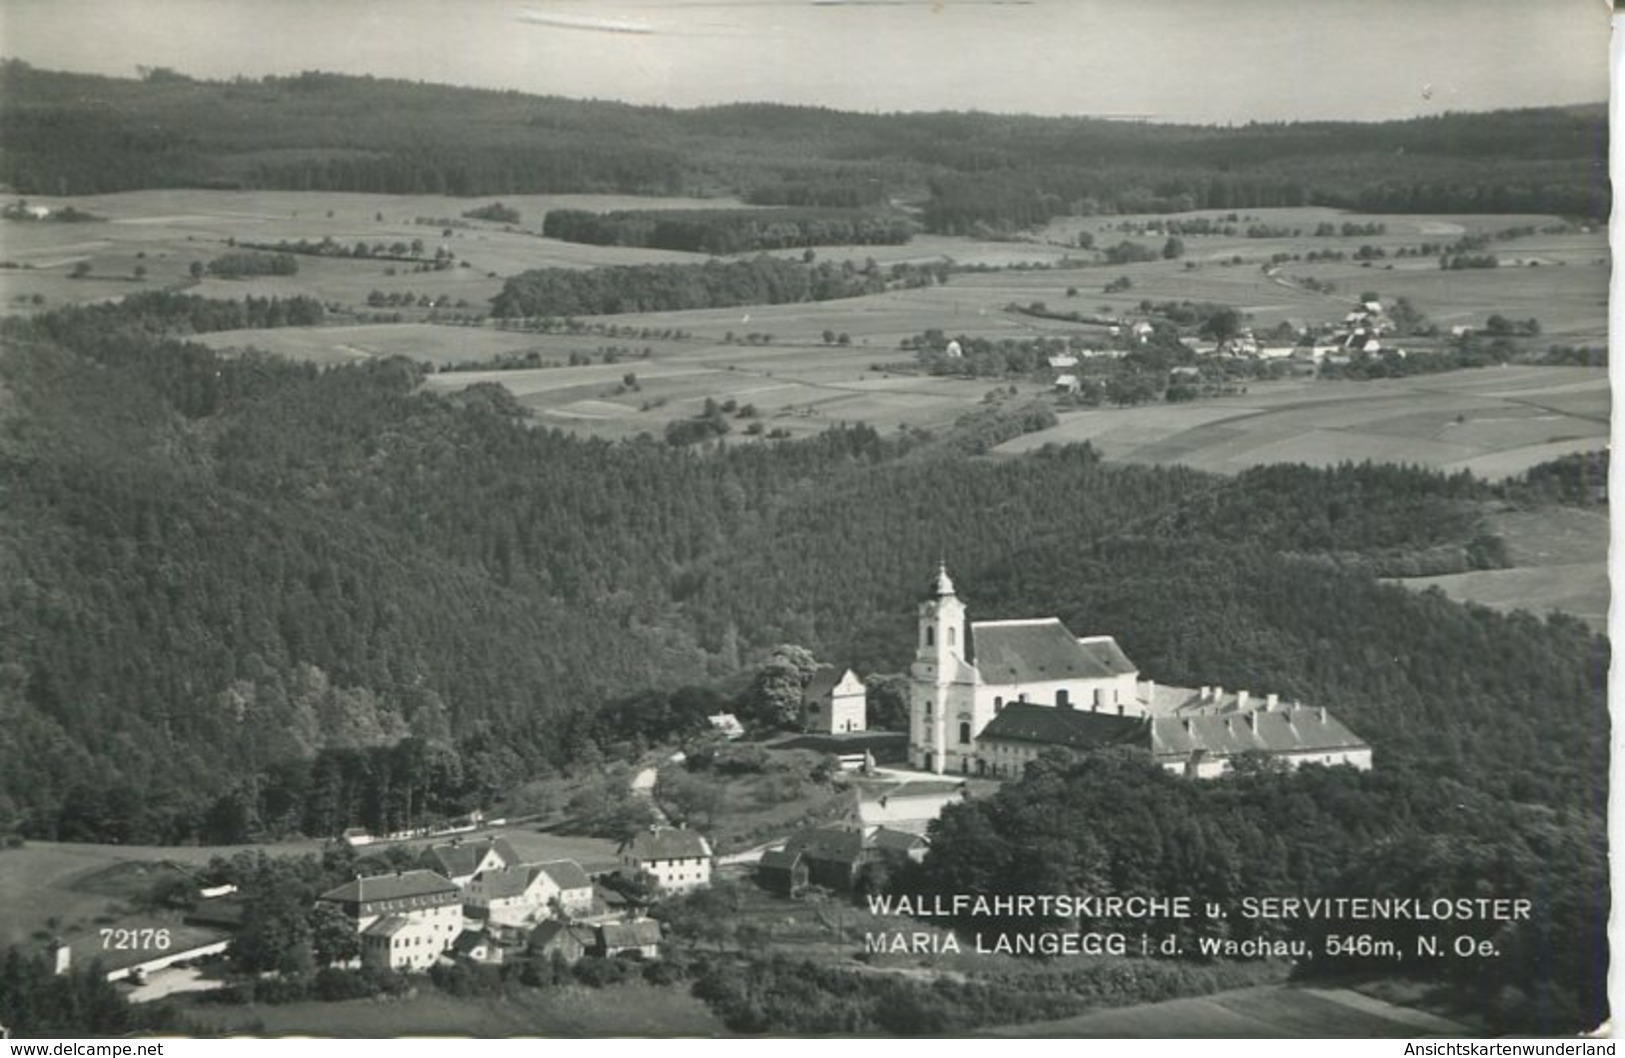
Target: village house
column 835, row 702
column 405, row 920
column 570, row 941
column 784, row 871
column 676, row 858
column 640, row 937
column 525, row 893
column 479, row 945
column 635, row 937
column 988, row 697
column 461, row 860
column 835, row 858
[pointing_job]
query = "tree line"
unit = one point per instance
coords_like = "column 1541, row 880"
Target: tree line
column 725, row 231
column 982, row 172
column 715, row 284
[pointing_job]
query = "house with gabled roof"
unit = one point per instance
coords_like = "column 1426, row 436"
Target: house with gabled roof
column 569, row 940
column 641, row 936
column 478, row 945
column 461, row 860
column 528, row 892
column 834, row 702
column 405, row 920
column 834, row 857
column 784, row 871
column 678, row 859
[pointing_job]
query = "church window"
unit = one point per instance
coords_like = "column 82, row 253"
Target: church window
column 964, row 734
column 930, row 636
column 1063, row 698
column 951, row 635
column 998, row 703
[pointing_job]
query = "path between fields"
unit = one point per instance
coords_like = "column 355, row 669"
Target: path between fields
column 643, row 788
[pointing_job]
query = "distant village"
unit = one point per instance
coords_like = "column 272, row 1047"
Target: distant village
column 1366, row 329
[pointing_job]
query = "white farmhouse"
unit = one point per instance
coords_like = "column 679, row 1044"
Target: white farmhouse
column 528, row 893
column 677, row 859
column 405, row 920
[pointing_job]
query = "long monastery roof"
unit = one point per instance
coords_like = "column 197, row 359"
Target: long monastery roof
column 1278, row 731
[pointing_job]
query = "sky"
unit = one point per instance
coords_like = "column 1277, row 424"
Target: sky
column 1207, row 61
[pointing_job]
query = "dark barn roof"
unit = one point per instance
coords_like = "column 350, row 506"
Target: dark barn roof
column 1072, row 728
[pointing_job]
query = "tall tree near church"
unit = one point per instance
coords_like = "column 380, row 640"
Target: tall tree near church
column 775, row 693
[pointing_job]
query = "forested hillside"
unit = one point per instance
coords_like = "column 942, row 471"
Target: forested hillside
column 242, row 596
column 79, row 134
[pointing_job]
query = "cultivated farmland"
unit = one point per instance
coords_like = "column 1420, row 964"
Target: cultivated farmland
column 1494, row 421
column 781, row 372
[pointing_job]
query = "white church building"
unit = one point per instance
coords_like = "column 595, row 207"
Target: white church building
column 965, row 672
column 1079, row 693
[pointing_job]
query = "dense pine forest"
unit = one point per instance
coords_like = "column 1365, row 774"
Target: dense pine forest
column 74, row 134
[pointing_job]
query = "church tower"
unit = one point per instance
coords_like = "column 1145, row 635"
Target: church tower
column 942, row 682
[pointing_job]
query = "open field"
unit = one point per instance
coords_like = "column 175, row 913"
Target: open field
column 1270, row 1011
column 164, row 231
column 1495, row 422
column 1560, row 562
column 798, row 389
column 624, row 1010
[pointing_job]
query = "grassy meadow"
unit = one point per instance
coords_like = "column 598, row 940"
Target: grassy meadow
column 1495, row 422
